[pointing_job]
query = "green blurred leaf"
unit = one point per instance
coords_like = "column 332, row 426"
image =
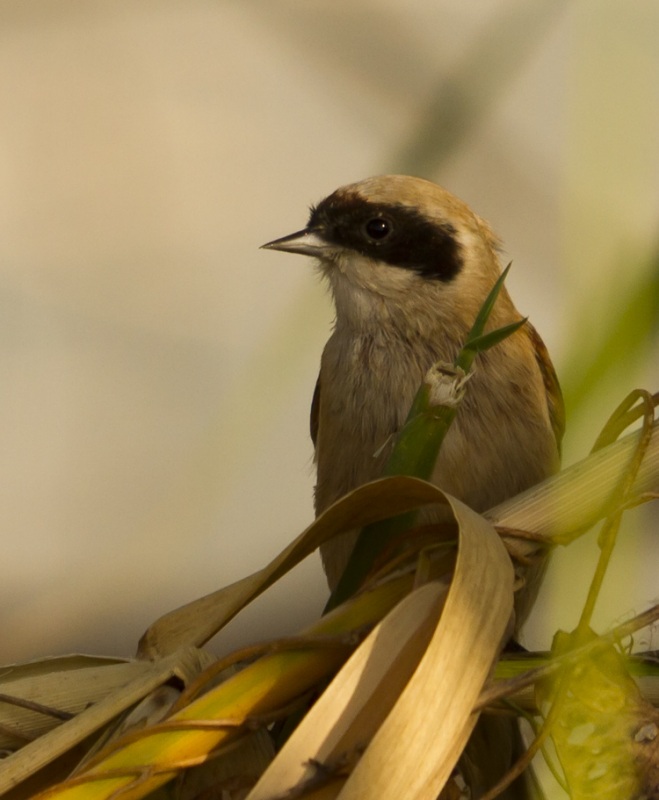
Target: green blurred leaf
column 629, row 331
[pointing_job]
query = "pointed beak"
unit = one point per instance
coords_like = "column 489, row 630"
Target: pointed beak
column 308, row 242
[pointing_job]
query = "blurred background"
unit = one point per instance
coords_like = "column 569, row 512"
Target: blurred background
column 156, row 368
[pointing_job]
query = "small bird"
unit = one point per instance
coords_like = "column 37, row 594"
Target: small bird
column 409, row 266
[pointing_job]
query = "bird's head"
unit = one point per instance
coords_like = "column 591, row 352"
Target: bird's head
column 393, row 246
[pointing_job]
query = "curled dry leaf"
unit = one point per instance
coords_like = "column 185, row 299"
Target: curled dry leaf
column 410, row 705
column 195, row 623
column 416, row 748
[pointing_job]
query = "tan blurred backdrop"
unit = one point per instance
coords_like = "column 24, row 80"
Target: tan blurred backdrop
column 156, row 368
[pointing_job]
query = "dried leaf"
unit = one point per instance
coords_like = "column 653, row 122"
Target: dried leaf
column 414, row 751
column 416, row 744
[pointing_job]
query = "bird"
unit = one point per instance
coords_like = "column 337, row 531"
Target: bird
column 409, row 266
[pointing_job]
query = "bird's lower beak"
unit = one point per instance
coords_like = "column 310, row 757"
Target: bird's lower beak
column 308, row 242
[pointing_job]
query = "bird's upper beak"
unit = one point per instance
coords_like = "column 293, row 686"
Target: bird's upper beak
column 308, row 242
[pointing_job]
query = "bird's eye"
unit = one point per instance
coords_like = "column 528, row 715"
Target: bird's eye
column 378, row 229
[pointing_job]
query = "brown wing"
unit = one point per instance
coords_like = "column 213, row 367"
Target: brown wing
column 555, row 404
column 315, row 410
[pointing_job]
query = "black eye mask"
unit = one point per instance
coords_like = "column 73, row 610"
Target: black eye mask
column 393, row 233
